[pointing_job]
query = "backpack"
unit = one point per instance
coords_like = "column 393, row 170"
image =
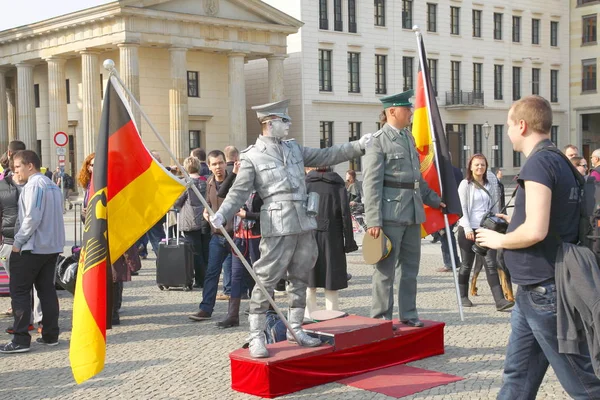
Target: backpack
column 587, row 199
column 275, row 330
column 69, row 183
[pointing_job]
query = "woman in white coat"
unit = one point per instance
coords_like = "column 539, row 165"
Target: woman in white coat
column 478, row 197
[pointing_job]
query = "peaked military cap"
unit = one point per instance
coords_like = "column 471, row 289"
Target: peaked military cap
column 398, row 100
column 277, row 109
column 375, row 250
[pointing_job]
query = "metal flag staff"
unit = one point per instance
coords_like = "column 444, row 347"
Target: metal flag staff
column 109, row 65
column 435, row 151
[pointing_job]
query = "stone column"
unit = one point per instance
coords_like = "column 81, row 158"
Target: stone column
column 275, row 78
column 90, row 75
column 57, row 96
column 178, row 104
column 12, row 114
column 26, row 105
column 237, row 101
column 3, row 112
column 129, row 70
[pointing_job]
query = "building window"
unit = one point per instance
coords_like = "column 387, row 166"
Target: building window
column 477, row 145
column 588, row 83
column 554, row 85
column 353, row 72
column 325, row 70
column 516, row 83
column 516, row 159
column 498, row 26
column 554, row 135
column 535, row 31
column 323, row 19
column 477, row 69
column 516, row 29
column 407, row 14
column 380, row 74
column 352, row 16
column 553, row 33
column 589, row 29
column 379, row 12
column 101, row 87
column 354, row 134
column 194, row 140
column 455, row 20
column 192, row 82
column 68, row 91
column 535, row 81
column 36, row 95
column 407, row 72
column 433, row 73
column 326, row 134
column 338, row 24
column 455, row 81
column 431, row 17
column 582, row 2
column 477, row 23
column 498, row 82
column 498, row 136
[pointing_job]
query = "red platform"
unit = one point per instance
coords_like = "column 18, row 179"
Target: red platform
column 355, row 345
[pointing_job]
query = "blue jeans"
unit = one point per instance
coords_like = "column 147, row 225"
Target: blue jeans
column 142, row 243
column 155, row 235
column 227, row 275
column 218, row 250
column 446, row 249
column 533, row 345
column 241, row 281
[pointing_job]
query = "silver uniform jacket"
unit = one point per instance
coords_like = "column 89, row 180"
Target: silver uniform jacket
column 275, row 169
column 393, row 158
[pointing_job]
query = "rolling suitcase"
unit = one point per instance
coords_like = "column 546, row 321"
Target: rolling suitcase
column 175, row 261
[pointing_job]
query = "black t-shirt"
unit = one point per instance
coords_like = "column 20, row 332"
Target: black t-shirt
column 535, row 264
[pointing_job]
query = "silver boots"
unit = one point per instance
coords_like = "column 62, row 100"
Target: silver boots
column 258, row 346
column 295, row 318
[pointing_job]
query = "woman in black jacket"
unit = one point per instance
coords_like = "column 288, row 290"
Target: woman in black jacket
column 334, row 237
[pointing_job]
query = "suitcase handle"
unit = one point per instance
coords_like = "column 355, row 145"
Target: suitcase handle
column 176, row 229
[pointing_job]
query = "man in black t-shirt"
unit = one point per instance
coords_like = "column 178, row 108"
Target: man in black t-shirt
column 546, row 211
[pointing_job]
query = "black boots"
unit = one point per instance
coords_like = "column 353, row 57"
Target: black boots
column 501, row 303
column 463, row 287
column 233, row 314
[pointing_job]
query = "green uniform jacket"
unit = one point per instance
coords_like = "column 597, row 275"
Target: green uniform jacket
column 392, row 158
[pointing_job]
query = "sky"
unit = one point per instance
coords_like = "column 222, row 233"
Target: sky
column 23, row 12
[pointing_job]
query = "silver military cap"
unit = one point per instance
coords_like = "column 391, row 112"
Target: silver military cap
column 277, row 109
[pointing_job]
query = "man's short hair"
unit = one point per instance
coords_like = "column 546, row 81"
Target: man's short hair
column 570, row 146
column 191, row 165
column 28, row 157
column 231, row 153
column 536, row 111
column 596, row 153
column 215, row 154
column 156, row 155
column 16, row 145
column 199, row 153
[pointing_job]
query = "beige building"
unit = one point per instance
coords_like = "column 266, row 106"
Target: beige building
column 483, row 56
column 585, row 56
column 183, row 59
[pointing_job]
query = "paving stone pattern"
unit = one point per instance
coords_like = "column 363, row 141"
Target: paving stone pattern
column 158, row 353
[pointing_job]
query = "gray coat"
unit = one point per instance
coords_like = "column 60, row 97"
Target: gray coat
column 275, row 169
column 393, row 158
column 191, row 209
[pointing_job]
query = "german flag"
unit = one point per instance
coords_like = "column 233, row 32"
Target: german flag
column 427, row 142
column 130, row 192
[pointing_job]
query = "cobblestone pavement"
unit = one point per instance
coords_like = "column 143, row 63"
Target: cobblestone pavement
column 157, row 352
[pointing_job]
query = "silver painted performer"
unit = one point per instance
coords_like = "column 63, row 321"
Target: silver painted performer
column 275, row 169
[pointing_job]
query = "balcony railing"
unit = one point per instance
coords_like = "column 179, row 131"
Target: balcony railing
column 462, row 98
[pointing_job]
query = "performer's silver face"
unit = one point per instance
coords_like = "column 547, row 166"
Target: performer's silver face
column 279, row 128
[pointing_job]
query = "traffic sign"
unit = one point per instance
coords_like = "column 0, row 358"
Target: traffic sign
column 61, row 139
column 61, row 158
column 61, row 151
column 61, row 163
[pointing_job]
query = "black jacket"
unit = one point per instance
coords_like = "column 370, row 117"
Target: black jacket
column 334, row 234
column 9, row 207
column 578, row 301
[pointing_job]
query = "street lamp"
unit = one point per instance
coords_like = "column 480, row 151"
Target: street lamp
column 487, row 128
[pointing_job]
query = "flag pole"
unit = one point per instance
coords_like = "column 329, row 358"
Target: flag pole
column 424, row 67
column 109, row 65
